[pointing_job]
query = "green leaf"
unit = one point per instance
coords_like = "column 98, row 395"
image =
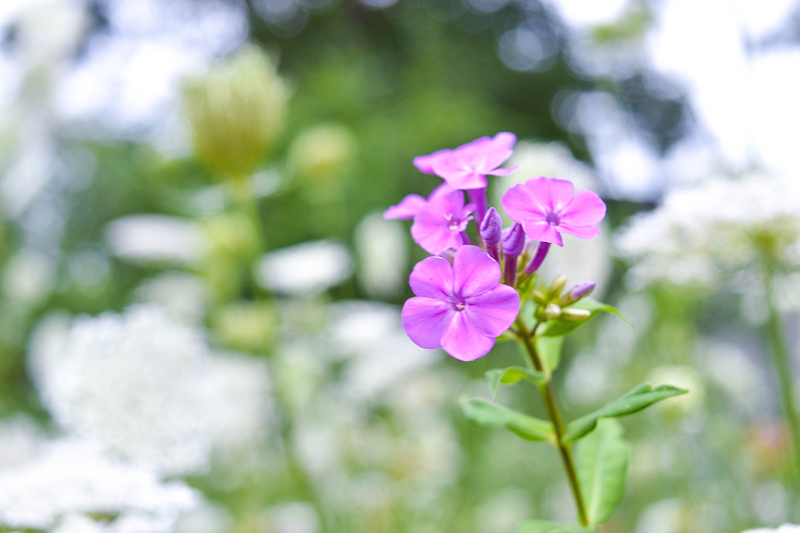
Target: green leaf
column 540, row 526
column 510, row 375
column 549, row 350
column 557, row 328
column 638, row 398
column 601, row 460
column 488, row 414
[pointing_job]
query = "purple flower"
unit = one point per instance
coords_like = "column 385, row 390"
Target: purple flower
column 546, row 208
column 462, row 308
column 413, row 203
column 466, row 167
column 441, row 222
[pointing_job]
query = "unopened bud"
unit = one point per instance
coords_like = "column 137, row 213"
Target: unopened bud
column 556, row 287
column 581, row 290
column 492, row 227
column 448, row 254
column 572, row 315
column 537, row 296
column 552, row 311
column 514, row 242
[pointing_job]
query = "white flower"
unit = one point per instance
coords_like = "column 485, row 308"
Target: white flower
column 304, row 269
column 71, row 477
column 183, row 296
column 156, row 238
column 718, row 227
column 382, row 249
column 20, row 438
column 785, row 528
column 29, row 276
column 150, row 390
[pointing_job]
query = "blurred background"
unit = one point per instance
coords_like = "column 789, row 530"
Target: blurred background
column 200, row 300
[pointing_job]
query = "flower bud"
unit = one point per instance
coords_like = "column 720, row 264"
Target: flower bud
column 492, row 227
column 556, row 287
column 581, row 290
column 514, row 242
column 235, row 112
column 537, row 296
column 552, row 311
column 571, row 314
column 448, row 254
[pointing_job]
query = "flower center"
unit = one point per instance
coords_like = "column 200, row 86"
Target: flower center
column 552, row 218
column 458, row 302
column 453, row 222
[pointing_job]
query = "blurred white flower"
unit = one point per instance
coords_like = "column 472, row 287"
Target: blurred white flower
column 382, row 248
column 290, row 517
column 305, row 269
column 666, row 516
column 206, row 518
column 716, row 228
column 156, row 238
column 71, row 477
column 580, row 259
column 20, row 438
column 785, row 528
column 28, row 276
column 183, row 296
column 771, row 504
column 149, row 389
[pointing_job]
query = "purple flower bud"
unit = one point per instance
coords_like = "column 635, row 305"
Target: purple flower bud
column 538, row 259
column 492, row 227
column 514, row 242
column 582, row 290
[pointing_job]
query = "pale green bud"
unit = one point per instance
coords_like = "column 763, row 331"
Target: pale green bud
column 537, row 296
column 555, row 288
column 246, row 326
column 572, row 314
column 552, row 311
column 322, row 152
column 236, row 110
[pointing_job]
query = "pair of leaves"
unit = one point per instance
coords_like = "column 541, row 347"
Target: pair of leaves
column 511, row 375
column 638, row 398
column 488, row 414
column 540, row 526
column 559, row 328
column 601, row 460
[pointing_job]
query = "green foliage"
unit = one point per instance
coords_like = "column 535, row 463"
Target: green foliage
column 488, row 414
column 511, row 375
column 558, row 327
column 602, row 460
column 636, row 399
column 541, row 526
column 549, row 350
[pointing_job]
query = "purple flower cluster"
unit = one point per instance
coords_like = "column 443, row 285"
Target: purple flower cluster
column 463, row 299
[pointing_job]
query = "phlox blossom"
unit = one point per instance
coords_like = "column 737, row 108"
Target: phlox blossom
column 467, row 166
column 413, row 203
column 548, row 207
column 463, row 308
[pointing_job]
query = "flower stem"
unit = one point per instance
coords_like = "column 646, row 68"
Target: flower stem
column 555, row 417
column 783, row 368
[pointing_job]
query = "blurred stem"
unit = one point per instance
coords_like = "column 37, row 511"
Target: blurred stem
column 244, row 200
column 783, row 367
column 554, row 414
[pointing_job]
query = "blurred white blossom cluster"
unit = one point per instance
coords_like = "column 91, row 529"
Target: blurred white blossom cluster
column 136, row 399
column 700, row 234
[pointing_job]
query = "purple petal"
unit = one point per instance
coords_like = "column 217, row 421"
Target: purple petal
column 585, row 209
column 474, row 272
column 521, row 206
column 425, row 162
column 543, row 232
column 582, row 232
column 406, row 209
column 503, row 171
column 493, row 312
column 441, row 190
column 458, row 173
column 425, row 320
column 432, row 278
column 552, row 193
column 462, row 341
column 434, row 237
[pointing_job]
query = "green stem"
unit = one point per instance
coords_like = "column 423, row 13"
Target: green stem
column 783, row 367
column 555, row 417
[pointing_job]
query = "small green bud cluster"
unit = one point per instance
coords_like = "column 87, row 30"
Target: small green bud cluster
column 551, row 304
column 235, row 111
